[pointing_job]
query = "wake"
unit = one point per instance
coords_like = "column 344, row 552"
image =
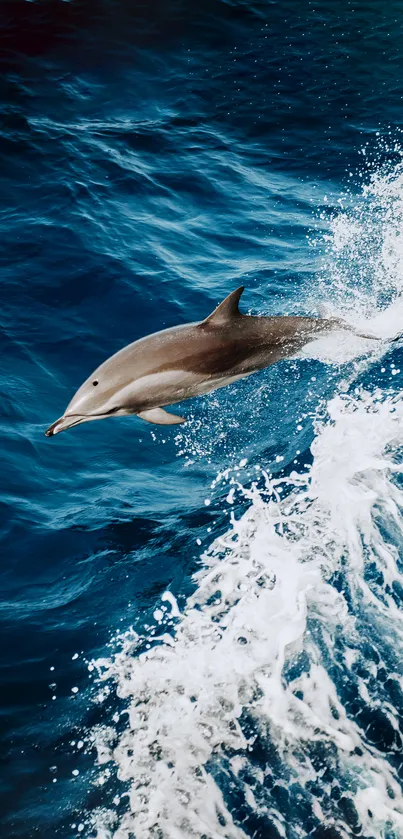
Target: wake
column 271, row 706
column 248, row 670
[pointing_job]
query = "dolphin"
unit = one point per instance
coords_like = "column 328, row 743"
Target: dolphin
column 186, row 361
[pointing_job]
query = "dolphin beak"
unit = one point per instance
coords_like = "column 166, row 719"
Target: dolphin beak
column 64, row 423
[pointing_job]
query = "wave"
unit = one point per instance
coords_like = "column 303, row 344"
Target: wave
column 249, row 692
column 271, row 705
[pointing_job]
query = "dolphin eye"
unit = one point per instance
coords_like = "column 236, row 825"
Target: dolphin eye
column 95, row 382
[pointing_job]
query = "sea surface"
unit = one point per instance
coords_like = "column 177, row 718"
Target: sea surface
column 202, row 625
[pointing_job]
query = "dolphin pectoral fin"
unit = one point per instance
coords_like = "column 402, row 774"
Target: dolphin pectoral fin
column 160, row 417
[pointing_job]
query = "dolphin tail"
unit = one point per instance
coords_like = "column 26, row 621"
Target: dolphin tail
column 368, row 335
column 339, row 323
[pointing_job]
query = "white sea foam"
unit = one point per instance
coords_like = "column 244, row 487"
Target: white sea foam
column 269, row 689
column 261, row 583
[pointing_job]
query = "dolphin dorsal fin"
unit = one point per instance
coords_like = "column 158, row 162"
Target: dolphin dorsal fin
column 228, row 309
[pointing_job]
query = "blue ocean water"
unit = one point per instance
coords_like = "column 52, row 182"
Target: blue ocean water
column 153, row 157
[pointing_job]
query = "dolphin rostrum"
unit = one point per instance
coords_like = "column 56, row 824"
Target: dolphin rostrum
column 186, row 361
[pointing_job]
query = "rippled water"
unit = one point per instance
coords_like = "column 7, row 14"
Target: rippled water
column 202, row 626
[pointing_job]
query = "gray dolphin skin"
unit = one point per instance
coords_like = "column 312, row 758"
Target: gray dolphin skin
column 187, row 361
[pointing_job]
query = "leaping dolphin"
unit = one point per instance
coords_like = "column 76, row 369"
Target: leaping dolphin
column 186, row 361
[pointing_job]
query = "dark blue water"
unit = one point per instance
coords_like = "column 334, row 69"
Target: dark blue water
column 153, row 157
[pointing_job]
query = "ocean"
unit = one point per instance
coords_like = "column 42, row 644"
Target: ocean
column 202, row 625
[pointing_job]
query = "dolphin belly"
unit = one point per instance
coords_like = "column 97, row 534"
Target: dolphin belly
column 169, row 386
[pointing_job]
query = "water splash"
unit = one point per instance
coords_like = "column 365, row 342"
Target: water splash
column 248, row 669
column 361, row 253
column 359, row 278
